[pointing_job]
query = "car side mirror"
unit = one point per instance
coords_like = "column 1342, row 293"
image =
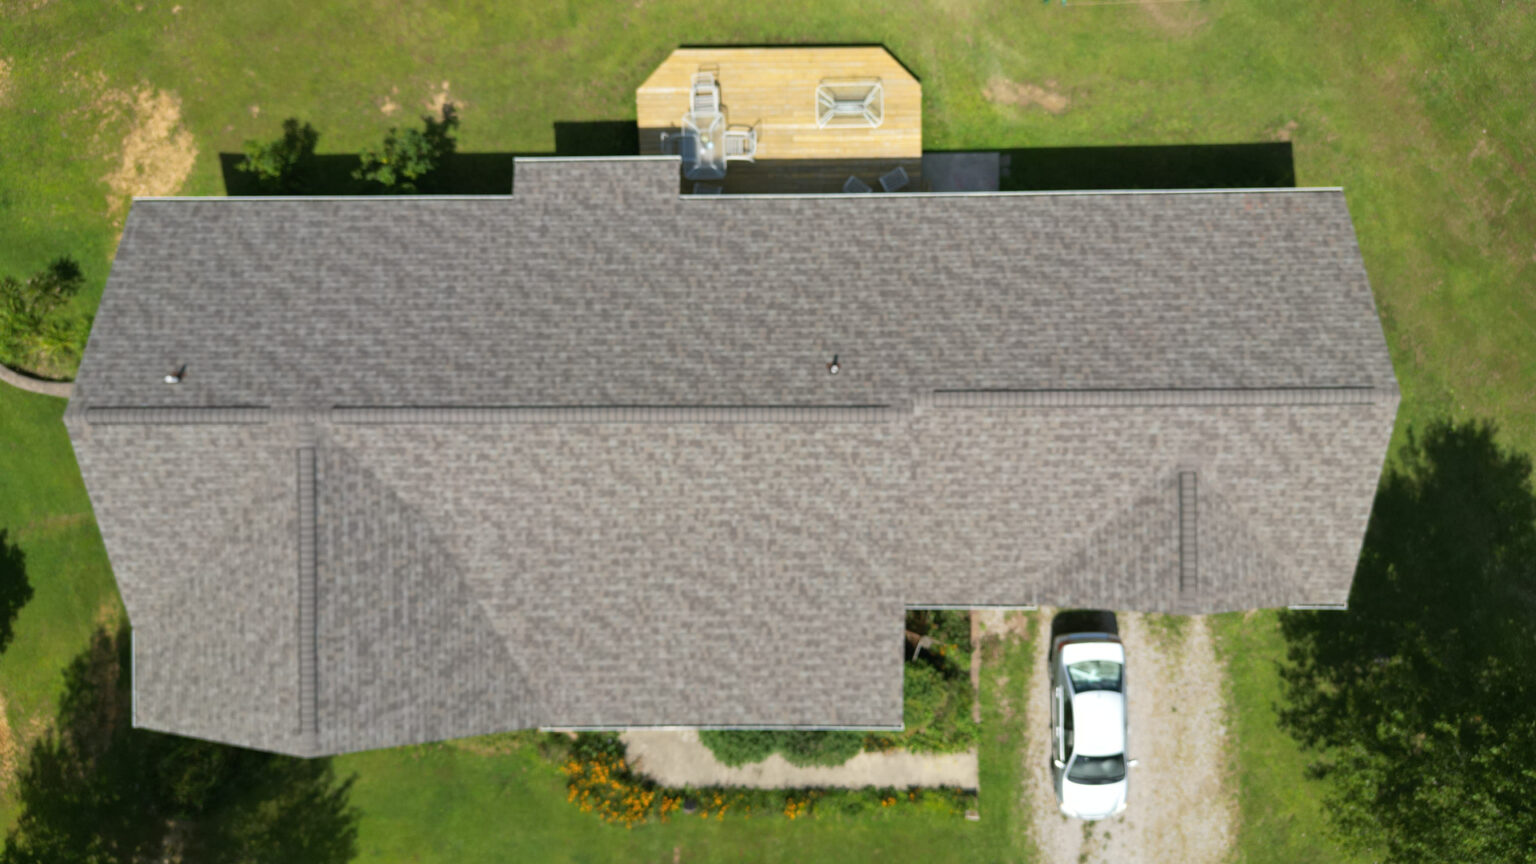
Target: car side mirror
column 1134, row 762
column 1058, row 763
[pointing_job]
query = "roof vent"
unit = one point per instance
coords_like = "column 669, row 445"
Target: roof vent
column 176, row 376
column 834, row 367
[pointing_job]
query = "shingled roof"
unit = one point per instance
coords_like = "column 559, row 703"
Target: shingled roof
column 445, row 466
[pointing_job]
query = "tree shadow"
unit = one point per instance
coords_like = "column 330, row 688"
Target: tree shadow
column 1176, row 166
column 15, row 588
column 459, row 173
column 1421, row 697
column 96, row 789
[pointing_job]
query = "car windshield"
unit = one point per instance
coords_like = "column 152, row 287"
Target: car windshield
column 1097, row 770
column 1095, row 675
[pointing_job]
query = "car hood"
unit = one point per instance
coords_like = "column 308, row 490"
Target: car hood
column 1092, row 802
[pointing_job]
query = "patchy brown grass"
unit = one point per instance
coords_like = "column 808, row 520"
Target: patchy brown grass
column 1175, row 19
column 156, row 155
column 388, row 106
column 441, row 98
column 1022, row 94
column 5, row 80
column 10, row 750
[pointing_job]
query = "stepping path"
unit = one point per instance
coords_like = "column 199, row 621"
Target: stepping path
column 61, row 389
column 677, row 758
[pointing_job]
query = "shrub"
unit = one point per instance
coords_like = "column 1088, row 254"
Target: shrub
column 740, row 747
column 937, row 712
column 283, row 165
column 799, row 747
column 820, row 748
column 34, row 333
column 408, row 158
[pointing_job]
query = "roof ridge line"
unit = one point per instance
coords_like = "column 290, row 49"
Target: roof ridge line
column 496, row 414
column 1171, row 397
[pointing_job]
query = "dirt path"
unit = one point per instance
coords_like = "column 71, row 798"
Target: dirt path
column 1180, row 810
column 677, row 758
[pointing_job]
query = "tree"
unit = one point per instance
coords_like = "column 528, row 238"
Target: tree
column 1419, row 702
column 96, row 789
column 408, row 158
column 33, row 331
column 283, row 165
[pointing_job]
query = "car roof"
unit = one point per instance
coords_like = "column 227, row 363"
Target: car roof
column 1078, row 652
column 1099, row 723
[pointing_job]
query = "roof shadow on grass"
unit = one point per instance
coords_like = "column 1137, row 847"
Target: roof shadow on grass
column 1267, row 164
column 460, row 173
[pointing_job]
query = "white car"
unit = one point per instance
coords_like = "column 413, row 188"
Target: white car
column 1088, row 727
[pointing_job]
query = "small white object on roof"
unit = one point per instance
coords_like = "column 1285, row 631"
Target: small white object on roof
column 834, row 367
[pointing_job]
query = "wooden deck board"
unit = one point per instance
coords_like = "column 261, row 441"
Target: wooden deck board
column 774, row 89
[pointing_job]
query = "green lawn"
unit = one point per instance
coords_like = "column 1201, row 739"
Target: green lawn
column 44, row 513
column 446, row 803
column 1281, row 816
column 1421, row 111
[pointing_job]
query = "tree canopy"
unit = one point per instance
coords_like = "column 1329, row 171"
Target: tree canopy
column 95, row 789
column 35, row 331
column 408, row 158
column 1420, row 701
column 285, row 164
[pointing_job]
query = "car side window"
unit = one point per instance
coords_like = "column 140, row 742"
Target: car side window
column 1066, row 722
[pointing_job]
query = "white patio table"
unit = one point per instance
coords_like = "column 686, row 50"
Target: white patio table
column 704, row 134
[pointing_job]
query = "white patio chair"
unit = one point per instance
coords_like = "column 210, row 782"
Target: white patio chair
column 704, row 98
column 854, row 184
column 894, row 180
column 740, row 144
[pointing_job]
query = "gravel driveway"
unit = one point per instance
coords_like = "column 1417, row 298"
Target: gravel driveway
column 1181, row 810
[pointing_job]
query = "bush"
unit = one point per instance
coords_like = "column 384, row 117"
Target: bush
column 799, row 747
column 408, row 158
column 740, row 747
column 34, row 333
column 937, row 712
column 806, row 748
column 284, row 165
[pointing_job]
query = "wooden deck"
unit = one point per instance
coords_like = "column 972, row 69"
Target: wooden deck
column 774, row 90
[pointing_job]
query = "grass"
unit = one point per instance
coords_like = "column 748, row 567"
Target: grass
column 45, row 513
column 1282, row 819
column 1168, row 630
column 1421, row 111
column 462, row 802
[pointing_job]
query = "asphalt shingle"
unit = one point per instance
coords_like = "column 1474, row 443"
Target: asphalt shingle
column 575, row 458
